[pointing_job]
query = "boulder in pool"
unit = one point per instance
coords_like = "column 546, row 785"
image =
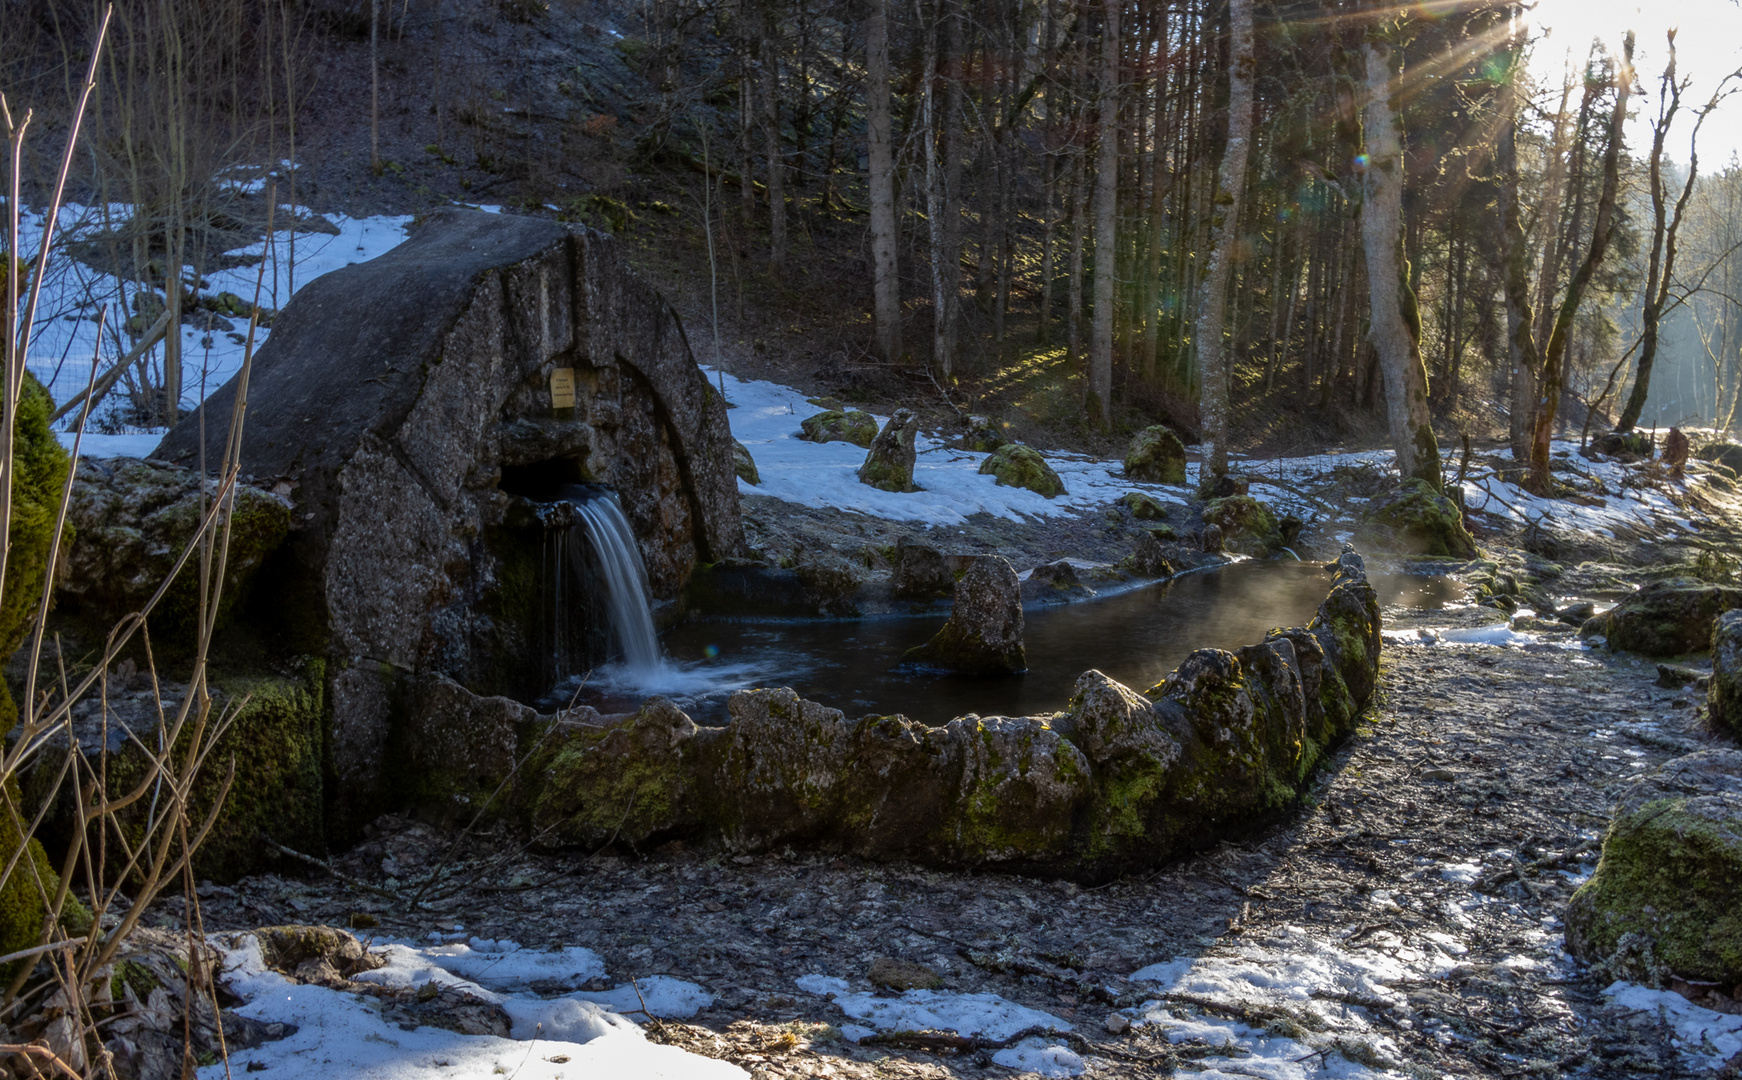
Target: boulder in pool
column 1414, row 518
column 1247, row 525
column 1724, row 690
column 852, row 425
column 1665, row 618
column 1664, row 897
column 983, row 635
column 889, row 465
column 1156, row 456
column 1016, row 465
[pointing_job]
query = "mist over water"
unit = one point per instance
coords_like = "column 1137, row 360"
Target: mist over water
column 1137, row 637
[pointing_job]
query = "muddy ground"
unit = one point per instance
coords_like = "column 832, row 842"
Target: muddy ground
column 1436, row 852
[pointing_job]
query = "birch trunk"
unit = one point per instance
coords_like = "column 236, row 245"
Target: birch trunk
column 1394, row 334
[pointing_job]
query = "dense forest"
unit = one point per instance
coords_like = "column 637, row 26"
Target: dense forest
column 1225, row 214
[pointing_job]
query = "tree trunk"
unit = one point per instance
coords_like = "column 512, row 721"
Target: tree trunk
column 1395, row 335
column 771, row 142
column 1225, row 205
column 886, row 282
column 943, row 295
column 1514, row 251
column 1106, row 207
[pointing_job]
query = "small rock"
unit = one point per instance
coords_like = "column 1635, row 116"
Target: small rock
column 921, row 573
column 1675, row 676
column 1225, row 486
column 744, row 464
column 1211, row 540
column 889, row 465
column 902, row 975
column 1156, row 456
column 1143, row 507
column 1150, row 557
column 1444, row 775
column 1117, row 1023
column 855, row 426
column 984, row 435
column 1016, row 465
column 1724, row 693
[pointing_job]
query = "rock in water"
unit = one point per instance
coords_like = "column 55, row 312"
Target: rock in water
column 889, row 465
column 1724, row 691
column 920, row 572
column 1016, row 465
column 1665, row 618
column 855, row 426
column 1663, row 898
column 984, row 633
column 1156, row 457
column 984, row 435
column 1247, row 525
column 1415, row 518
column 744, row 465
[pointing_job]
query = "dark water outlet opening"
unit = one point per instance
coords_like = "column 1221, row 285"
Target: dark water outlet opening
column 543, row 481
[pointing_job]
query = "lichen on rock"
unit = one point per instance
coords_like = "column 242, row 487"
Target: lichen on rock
column 1156, row 456
column 1247, row 525
column 1414, row 518
column 1143, row 507
column 835, row 425
column 745, row 465
column 889, row 463
column 1016, row 465
column 983, row 635
column 920, row 571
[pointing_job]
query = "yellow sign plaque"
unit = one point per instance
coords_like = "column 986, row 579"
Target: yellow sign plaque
column 562, row 388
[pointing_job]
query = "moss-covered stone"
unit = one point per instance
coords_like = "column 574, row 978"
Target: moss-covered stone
column 1665, row 618
column 984, row 435
column 983, row 635
column 134, row 519
column 1247, row 525
column 1724, row 690
column 1416, row 519
column 889, row 463
column 22, row 910
column 1156, row 456
column 619, row 780
column 1016, row 465
column 1143, row 507
column 853, row 425
column 1669, row 877
column 275, row 746
column 40, row 472
column 744, row 464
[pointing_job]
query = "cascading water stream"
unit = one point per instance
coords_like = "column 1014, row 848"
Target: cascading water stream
column 624, row 576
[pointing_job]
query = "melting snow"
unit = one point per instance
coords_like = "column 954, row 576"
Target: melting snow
column 576, row 1035
column 1707, row 1039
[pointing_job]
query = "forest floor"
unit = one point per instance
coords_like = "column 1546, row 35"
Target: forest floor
column 1406, row 921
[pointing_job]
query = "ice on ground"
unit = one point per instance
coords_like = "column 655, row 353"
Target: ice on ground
column 340, row 1034
column 765, row 417
column 504, row 964
column 1706, row 1039
column 1464, row 872
column 821, row 985
column 1499, row 635
column 659, row 995
column 986, row 1015
column 137, row 444
column 1289, row 973
column 1036, row 1056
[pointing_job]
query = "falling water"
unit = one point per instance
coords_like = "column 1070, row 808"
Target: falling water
column 623, row 574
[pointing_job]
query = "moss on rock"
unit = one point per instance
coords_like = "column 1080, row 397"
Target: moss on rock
column 835, row 425
column 1247, row 525
column 41, row 471
column 1016, row 465
column 889, row 463
column 1665, row 618
column 22, row 910
column 984, row 435
column 1156, row 456
column 745, row 465
column 1416, row 519
column 1724, row 691
column 1143, row 507
column 1670, row 874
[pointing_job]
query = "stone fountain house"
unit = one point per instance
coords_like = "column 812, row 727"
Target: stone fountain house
column 414, row 408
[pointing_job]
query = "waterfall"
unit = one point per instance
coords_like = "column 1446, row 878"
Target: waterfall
column 623, row 574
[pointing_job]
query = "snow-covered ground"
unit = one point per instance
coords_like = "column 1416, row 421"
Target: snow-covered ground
column 573, row 1035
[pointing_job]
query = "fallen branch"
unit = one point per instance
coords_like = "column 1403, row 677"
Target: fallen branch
column 328, row 867
column 107, row 380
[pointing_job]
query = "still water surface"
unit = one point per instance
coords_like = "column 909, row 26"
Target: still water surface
column 1137, row 637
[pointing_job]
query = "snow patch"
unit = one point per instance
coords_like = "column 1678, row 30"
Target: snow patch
column 1707, row 1039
